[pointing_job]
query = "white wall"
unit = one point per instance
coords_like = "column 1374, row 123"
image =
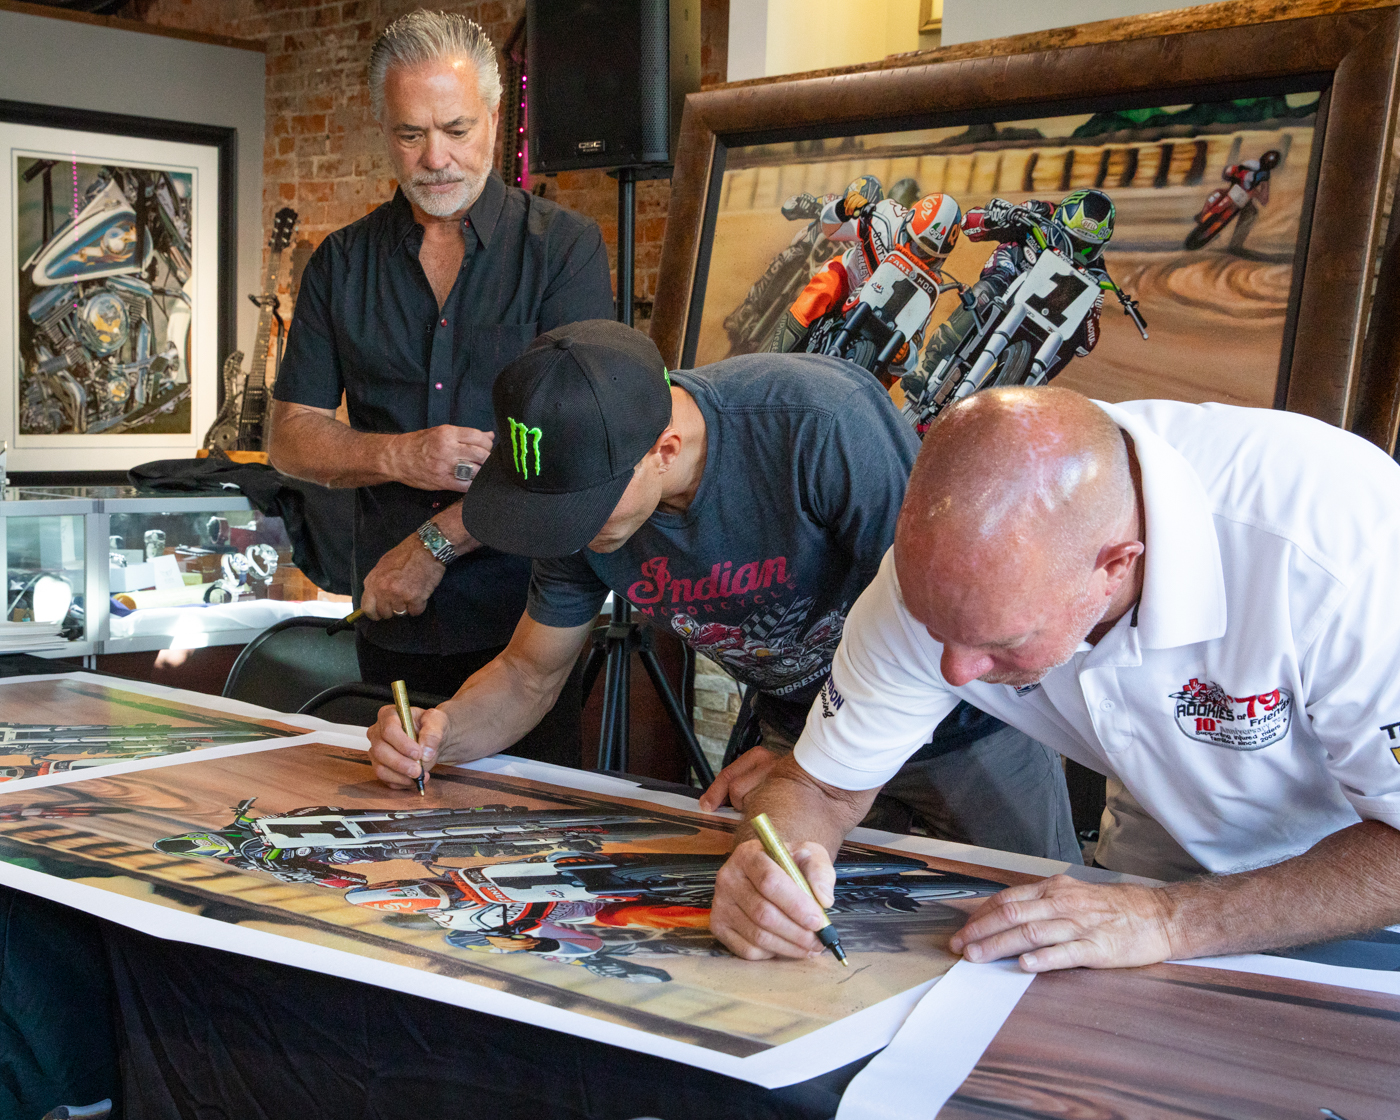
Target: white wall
column 85, row 66
column 965, row 21
column 748, row 40
column 769, row 37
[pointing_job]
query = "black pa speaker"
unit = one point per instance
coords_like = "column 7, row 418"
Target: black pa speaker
column 607, row 80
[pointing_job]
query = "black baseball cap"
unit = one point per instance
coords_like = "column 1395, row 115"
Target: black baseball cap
column 575, row 414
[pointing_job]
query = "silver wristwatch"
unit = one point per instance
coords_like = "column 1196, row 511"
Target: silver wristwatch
column 437, row 544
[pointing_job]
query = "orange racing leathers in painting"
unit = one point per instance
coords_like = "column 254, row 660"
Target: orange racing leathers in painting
column 923, row 235
column 874, row 232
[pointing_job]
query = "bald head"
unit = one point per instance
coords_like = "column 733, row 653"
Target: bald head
column 1016, row 500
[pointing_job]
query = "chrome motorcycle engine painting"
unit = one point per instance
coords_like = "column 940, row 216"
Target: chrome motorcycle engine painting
column 105, row 259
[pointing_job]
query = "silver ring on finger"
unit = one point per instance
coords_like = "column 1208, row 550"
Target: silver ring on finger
column 463, row 471
column 400, row 612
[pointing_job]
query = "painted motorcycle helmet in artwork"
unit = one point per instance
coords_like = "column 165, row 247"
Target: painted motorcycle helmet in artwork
column 1087, row 216
column 932, row 227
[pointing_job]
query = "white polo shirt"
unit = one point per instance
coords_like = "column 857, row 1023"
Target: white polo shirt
column 1250, row 704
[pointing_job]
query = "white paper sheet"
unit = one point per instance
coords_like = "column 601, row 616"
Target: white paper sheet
column 937, row 1046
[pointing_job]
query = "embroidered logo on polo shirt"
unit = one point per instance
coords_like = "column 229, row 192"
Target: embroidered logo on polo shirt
column 521, row 440
column 1390, row 729
column 1207, row 713
column 1026, row 689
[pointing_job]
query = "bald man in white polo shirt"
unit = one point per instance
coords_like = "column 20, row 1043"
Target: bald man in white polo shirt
column 1200, row 602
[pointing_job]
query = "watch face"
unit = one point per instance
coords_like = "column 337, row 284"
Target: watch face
column 436, row 542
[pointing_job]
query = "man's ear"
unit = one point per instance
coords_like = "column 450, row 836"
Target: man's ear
column 666, row 448
column 1116, row 562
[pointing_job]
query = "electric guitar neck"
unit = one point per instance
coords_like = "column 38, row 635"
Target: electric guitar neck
column 253, row 417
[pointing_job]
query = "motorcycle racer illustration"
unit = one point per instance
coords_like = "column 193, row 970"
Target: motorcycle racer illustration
column 770, row 645
column 1248, row 190
column 750, row 325
column 922, row 237
column 312, row 844
column 1076, row 230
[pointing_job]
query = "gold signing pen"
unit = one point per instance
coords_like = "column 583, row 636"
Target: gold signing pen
column 778, row 853
column 406, row 718
column 346, row 623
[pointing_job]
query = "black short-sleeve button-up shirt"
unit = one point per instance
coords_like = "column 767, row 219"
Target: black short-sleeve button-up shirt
column 367, row 324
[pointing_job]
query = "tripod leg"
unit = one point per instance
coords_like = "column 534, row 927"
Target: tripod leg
column 699, row 763
column 612, row 744
column 597, row 657
column 687, row 696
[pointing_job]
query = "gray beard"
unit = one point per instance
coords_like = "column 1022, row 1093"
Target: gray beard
column 444, row 206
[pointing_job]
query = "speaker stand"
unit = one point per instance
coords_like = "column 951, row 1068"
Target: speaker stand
column 614, row 644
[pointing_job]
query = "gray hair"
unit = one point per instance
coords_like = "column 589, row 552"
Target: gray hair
column 424, row 36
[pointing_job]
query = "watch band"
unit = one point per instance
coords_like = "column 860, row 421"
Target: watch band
column 437, row 544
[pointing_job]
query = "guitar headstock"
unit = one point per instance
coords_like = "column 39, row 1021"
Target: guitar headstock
column 284, row 222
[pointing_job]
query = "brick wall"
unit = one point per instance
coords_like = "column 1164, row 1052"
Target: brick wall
column 717, row 700
column 323, row 154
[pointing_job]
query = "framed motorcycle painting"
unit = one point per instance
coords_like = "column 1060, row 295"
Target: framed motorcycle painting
column 115, row 300
column 1167, row 208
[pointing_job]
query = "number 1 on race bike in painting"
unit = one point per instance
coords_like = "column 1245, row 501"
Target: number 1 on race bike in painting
column 1022, row 336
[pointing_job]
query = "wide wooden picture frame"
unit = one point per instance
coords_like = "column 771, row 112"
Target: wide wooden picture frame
column 1324, row 366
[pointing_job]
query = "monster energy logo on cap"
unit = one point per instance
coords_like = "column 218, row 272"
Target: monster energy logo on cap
column 599, row 389
column 523, row 440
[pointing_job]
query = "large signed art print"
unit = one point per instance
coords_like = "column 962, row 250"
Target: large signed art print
column 579, row 902
column 598, row 904
column 73, row 724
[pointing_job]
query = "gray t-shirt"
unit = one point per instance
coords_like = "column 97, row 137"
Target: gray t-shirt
column 806, row 466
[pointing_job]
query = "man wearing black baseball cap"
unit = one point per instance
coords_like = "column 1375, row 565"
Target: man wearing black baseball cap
column 745, row 506
column 577, row 413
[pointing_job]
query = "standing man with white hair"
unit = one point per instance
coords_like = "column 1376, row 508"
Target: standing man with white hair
column 411, row 312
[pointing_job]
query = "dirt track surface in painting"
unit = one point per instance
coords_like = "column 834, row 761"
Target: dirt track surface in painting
column 1216, row 315
column 710, row 998
column 1169, row 1041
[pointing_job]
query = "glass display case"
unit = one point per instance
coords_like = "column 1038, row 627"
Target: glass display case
column 93, row 570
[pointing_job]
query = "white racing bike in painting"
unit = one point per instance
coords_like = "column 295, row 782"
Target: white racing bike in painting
column 887, row 323
column 1019, row 338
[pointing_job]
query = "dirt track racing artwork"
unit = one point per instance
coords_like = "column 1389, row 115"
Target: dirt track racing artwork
column 1136, row 253
column 597, row 904
column 73, row 725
